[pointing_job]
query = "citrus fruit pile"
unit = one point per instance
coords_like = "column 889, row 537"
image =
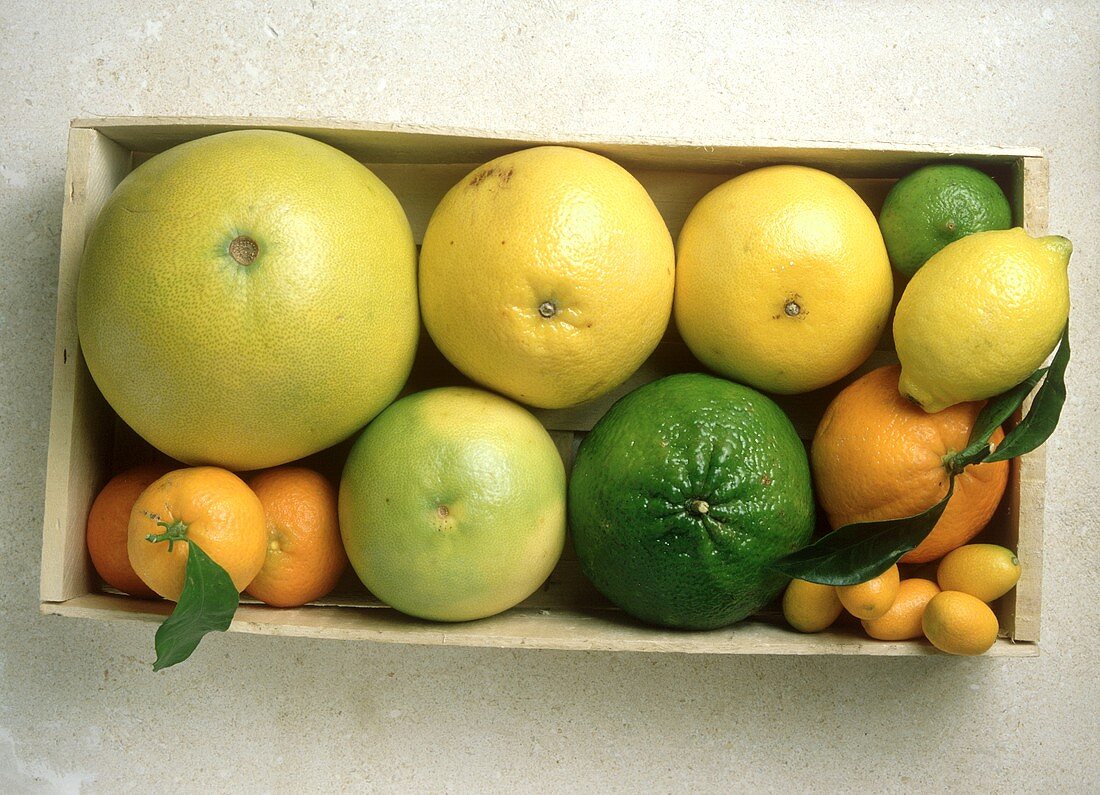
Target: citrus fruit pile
column 252, row 298
column 275, row 534
column 953, row 612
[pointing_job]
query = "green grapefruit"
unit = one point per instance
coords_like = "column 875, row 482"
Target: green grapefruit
column 452, row 504
column 683, row 496
column 249, row 298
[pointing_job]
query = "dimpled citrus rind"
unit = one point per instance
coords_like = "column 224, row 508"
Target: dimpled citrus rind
column 903, row 620
column 980, row 316
column 936, row 205
column 452, row 504
column 684, row 495
column 782, row 279
column 248, row 365
column 547, row 275
column 871, row 599
column 958, row 623
column 222, row 515
column 810, row 606
column 986, row 571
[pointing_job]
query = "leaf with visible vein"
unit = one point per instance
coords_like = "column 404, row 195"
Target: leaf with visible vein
column 1042, row 417
column 995, row 412
column 207, row 604
column 859, row 552
column 856, row 553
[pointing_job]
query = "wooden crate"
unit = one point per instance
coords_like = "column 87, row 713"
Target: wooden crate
column 88, row 442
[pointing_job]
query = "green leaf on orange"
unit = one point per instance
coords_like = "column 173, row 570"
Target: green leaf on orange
column 995, row 412
column 859, row 552
column 207, row 604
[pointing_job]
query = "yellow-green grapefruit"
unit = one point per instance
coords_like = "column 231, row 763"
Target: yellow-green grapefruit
column 249, row 298
column 452, row 504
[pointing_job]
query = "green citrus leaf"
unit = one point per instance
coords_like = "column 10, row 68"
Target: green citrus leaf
column 1042, row 417
column 995, row 412
column 207, row 604
column 858, row 552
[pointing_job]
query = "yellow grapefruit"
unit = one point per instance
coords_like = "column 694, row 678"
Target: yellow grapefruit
column 249, row 298
column 782, row 279
column 547, row 275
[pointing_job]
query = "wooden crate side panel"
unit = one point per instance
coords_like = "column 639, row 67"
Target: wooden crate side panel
column 399, row 143
column 590, row 630
column 79, row 426
column 1031, row 208
column 1026, row 493
column 1020, row 616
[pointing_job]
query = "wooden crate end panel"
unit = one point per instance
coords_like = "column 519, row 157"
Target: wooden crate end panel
column 79, row 433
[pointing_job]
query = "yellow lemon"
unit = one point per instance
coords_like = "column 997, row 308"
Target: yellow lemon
column 980, row 316
column 871, row 599
column 987, row 571
column 547, row 275
column 782, row 279
column 959, row 623
column 810, row 606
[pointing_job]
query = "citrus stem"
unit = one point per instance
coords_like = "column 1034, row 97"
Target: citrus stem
column 699, row 506
column 954, row 462
column 174, row 531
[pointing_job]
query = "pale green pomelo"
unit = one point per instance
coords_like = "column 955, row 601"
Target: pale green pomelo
column 452, row 504
column 249, row 298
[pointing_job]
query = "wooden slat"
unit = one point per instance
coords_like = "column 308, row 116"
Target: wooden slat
column 76, row 464
column 401, row 143
column 1026, row 492
column 531, row 628
column 1031, row 205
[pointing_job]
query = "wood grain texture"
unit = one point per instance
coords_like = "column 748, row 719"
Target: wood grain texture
column 529, row 628
column 76, row 461
column 404, row 143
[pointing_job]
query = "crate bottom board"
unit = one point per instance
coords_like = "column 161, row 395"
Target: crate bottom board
column 522, row 627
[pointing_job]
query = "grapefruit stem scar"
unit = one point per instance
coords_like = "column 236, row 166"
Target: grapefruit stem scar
column 174, row 531
column 244, row 250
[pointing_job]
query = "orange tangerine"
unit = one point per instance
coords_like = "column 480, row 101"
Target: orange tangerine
column 877, row 456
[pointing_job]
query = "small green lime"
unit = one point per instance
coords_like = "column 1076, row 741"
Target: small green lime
column 682, row 497
column 937, row 205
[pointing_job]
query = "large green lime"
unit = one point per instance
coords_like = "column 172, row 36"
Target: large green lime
column 682, row 497
column 937, row 205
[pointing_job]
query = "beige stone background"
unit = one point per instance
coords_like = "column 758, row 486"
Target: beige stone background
column 80, row 708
